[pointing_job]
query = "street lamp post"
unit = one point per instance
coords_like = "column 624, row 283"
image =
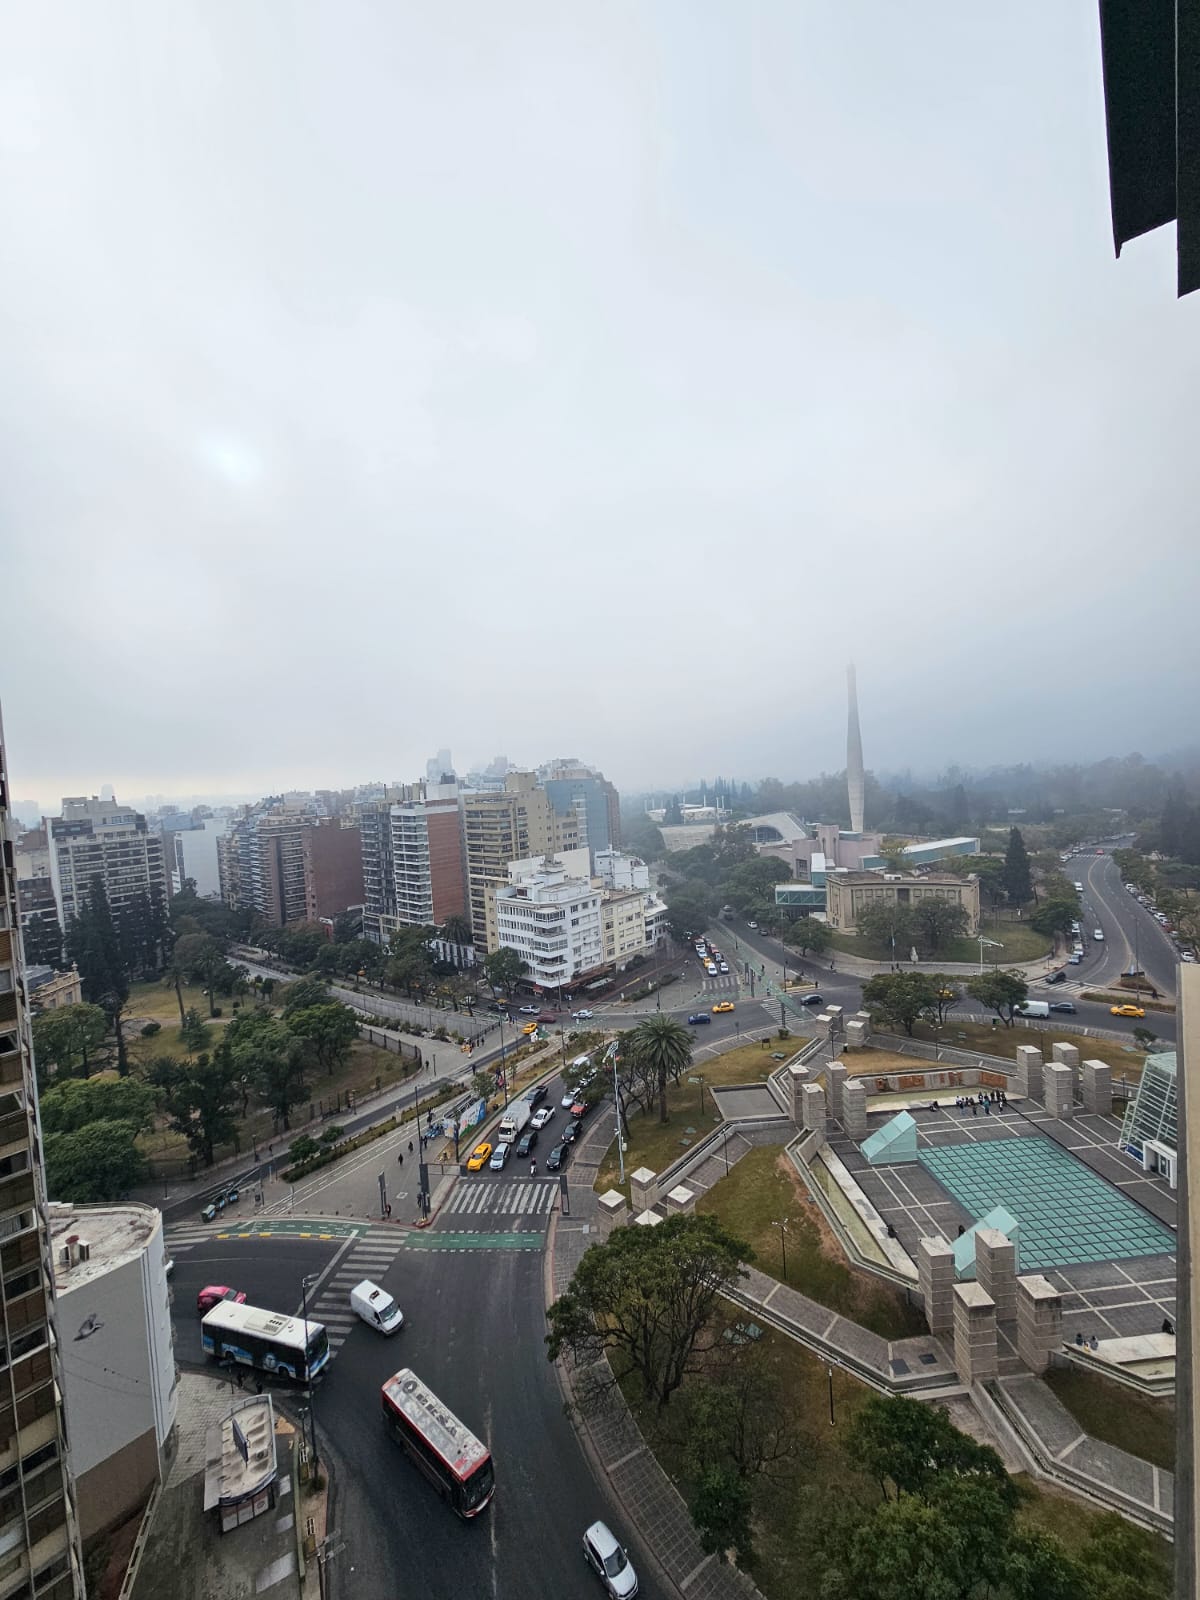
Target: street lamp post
column 782, row 1226
column 305, row 1285
column 612, row 1053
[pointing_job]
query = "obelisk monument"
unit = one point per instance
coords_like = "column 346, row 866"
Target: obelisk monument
column 855, row 783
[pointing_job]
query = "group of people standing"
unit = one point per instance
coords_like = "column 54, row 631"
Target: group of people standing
column 986, row 1100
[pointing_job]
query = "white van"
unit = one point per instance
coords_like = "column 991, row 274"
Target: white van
column 1033, row 1008
column 376, row 1307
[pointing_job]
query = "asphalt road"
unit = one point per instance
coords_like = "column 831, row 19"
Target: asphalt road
column 1129, row 929
column 269, row 1270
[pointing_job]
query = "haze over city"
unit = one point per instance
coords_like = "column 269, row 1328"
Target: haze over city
column 557, row 381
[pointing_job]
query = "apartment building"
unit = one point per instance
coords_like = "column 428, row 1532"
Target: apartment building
column 333, row 877
column 554, row 922
column 509, row 826
column 40, row 1552
column 102, row 838
column 35, row 887
column 580, row 792
column 118, row 1356
column 282, row 860
column 414, row 871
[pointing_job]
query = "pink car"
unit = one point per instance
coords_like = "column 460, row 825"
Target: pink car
column 214, row 1294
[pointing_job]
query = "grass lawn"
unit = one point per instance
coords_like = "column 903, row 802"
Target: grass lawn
column 764, row 1189
column 1019, row 940
column 1134, row 1422
column 1002, row 1041
column 1073, row 1521
column 655, row 1144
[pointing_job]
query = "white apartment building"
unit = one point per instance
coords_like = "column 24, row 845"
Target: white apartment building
column 117, row 1353
column 620, row 872
column 99, row 837
column 554, row 922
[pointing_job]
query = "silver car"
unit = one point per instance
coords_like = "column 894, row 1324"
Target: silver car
column 610, row 1562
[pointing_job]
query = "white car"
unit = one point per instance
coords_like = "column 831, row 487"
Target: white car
column 724, row 966
column 581, row 1016
column 568, row 1099
column 753, row 926
column 530, row 1011
column 1098, row 935
column 610, row 1562
column 499, row 1156
column 540, row 1118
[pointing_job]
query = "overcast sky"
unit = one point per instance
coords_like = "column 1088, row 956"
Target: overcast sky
column 591, row 379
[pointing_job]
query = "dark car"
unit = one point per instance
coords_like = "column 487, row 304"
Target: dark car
column 571, row 1132
column 556, row 1158
column 812, row 999
column 700, row 1016
column 1057, row 977
column 526, row 1142
column 536, row 1095
column 1062, row 1005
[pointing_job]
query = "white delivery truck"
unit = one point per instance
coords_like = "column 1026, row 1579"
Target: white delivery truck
column 1033, row 1008
column 376, row 1307
column 515, row 1118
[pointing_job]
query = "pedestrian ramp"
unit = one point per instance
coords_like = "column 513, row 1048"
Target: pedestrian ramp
column 370, row 1257
column 530, row 1199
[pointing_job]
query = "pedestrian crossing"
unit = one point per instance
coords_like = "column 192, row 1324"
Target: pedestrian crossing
column 370, row 1257
column 533, row 1198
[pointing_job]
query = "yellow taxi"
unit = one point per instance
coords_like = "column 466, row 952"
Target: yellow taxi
column 479, row 1157
column 530, row 1027
column 722, row 1005
column 1127, row 1011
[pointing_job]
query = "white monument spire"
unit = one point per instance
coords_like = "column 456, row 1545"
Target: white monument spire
column 855, row 784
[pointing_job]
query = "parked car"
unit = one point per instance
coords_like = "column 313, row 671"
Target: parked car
column 209, row 1213
column 540, row 1118
column 1063, row 1005
column 556, row 1158
column 699, row 1016
column 526, row 1143
column 568, row 1099
column 610, row 1562
column 571, row 1132
column 479, row 1157
column 212, row 1296
column 1075, row 959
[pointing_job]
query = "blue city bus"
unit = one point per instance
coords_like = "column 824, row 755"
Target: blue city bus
column 268, row 1341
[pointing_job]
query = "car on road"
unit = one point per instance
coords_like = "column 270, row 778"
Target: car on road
column 556, row 1158
column 499, row 1157
column 724, row 966
column 582, row 1016
column 530, row 1027
column 610, row 1562
column 212, row 1296
column 526, row 1143
column 1063, row 1005
column 1098, row 935
column 1056, row 977
column 539, row 1119
column 209, row 1214
column 812, row 1000
column 1075, row 958
column 530, row 1011
column 1127, row 1011
column 753, row 926
column 1187, row 955
column 571, row 1132
column 568, row 1099
column 579, row 1110
column 479, row 1157
column 536, row 1095
column 723, row 1005
column 699, row 1016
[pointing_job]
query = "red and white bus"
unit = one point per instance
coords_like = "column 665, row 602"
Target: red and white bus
column 457, row 1463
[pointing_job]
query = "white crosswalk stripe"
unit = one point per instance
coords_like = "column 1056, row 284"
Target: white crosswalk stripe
column 503, row 1199
column 370, row 1257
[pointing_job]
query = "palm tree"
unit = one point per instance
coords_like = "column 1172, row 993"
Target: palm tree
column 456, row 930
column 663, row 1048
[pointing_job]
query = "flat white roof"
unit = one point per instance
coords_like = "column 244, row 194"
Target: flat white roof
column 114, row 1235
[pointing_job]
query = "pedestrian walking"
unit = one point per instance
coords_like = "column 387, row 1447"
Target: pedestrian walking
column 400, row 1157
column 533, row 1169
column 410, row 1147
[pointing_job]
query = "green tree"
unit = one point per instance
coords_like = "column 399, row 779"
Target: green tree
column 752, row 882
column 808, row 936
column 910, row 1448
column 647, row 1296
column 203, row 960
column 947, row 994
column 200, row 1098
column 1000, row 991
column 892, row 850
column 193, row 1033
column 890, row 926
column 1018, row 880
column 901, row 999
column 142, row 930
column 42, row 940
column 456, row 930
column 504, row 969
column 304, row 993
column 663, row 1049
column 740, row 1417
column 67, row 1038
column 1144, row 1037
column 721, row 1505
column 265, row 1050
column 94, row 947
column 72, row 1104
column 936, row 922
column 97, row 1162
column 690, row 907
column 1054, row 917
column 330, row 1030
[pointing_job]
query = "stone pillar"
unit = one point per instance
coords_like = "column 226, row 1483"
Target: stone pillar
column 1068, row 1056
column 813, row 1108
column 1029, row 1071
column 643, row 1189
column 856, row 1034
column 1060, row 1097
column 854, row 1109
column 614, row 1210
column 996, row 1270
column 935, row 1275
column 823, row 1023
column 835, row 1083
column 836, row 1018
column 864, row 1017
column 798, row 1078
column 975, row 1352
column 1097, row 1087
column 647, row 1219
column 1039, row 1321
column 680, row 1198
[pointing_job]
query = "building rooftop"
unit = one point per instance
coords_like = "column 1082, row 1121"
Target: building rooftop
column 113, row 1235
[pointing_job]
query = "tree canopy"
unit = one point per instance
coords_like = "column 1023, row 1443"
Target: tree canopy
column 1018, row 878
column 661, row 1048
column 97, row 1162
column 902, row 999
column 1000, row 991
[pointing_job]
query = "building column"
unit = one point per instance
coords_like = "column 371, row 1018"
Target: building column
column 813, row 1107
column 1060, row 1098
column 996, row 1270
column 935, row 1276
column 854, row 1109
column 798, row 1078
column 1068, row 1056
column 1029, row 1071
column 975, row 1351
column 1096, row 1083
column 643, row 1189
column 1039, row 1321
column 835, row 1083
